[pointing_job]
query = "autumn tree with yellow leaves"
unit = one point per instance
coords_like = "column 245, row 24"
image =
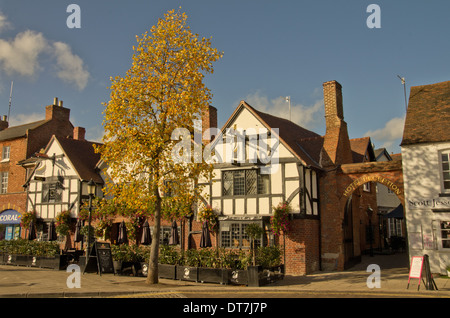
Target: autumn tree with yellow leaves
column 163, row 90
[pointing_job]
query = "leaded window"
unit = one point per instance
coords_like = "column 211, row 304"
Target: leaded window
column 245, row 182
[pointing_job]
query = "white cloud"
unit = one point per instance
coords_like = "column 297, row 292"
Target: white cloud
column 309, row 117
column 70, row 66
column 21, row 54
column 4, row 23
column 390, row 133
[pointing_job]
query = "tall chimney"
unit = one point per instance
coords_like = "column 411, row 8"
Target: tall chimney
column 336, row 147
column 334, row 109
column 209, row 120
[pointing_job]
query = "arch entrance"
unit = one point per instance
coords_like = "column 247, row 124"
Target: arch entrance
column 361, row 220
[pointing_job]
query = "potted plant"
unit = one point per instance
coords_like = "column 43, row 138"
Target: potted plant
column 211, row 268
column 48, row 256
column 448, row 270
column 188, row 270
column 169, row 259
column 239, row 273
column 269, row 257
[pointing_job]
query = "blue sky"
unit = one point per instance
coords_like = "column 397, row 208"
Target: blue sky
column 272, row 49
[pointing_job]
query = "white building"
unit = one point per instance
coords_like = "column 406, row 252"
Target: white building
column 426, row 173
column 59, row 179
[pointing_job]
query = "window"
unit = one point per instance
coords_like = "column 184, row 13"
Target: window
column 445, row 234
column 366, row 187
column 395, row 227
column 233, row 234
column 6, row 153
column 4, row 182
column 51, row 192
column 445, row 161
column 244, row 182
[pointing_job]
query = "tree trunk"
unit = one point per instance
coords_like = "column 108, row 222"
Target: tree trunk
column 152, row 276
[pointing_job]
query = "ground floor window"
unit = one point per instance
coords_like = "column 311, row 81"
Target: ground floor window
column 233, row 234
column 9, row 231
column 395, row 227
column 445, row 234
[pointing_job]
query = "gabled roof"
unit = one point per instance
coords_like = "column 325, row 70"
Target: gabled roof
column 82, row 155
column 428, row 114
column 303, row 143
column 19, row 131
column 360, row 148
column 382, row 152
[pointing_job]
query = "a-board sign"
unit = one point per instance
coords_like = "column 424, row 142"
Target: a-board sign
column 100, row 259
column 416, row 269
column 104, row 257
column 420, row 264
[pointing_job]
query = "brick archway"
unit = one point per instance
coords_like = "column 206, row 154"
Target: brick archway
column 347, row 182
column 388, row 173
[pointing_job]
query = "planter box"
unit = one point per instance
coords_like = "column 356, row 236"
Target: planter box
column 188, row 273
column 213, row 275
column 167, row 271
column 23, row 260
column 239, row 276
column 57, row 262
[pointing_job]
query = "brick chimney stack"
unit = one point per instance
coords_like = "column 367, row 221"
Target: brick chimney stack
column 4, row 123
column 336, row 147
column 79, row 133
column 57, row 111
column 209, row 120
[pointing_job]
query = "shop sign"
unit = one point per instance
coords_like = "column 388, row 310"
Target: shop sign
column 10, row 217
column 372, row 178
column 439, row 203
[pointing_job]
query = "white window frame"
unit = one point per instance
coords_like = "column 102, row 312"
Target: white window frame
column 6, row 153
column 442, row 171
column 447, row 239
column 4, row 176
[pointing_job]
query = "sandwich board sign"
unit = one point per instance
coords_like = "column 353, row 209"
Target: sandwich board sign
column 418, row 265
column 416, row 269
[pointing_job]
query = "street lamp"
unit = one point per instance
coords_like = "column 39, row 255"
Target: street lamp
column 91, row 192
column 369, row 214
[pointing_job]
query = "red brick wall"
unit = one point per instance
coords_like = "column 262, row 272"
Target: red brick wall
column 301, row 247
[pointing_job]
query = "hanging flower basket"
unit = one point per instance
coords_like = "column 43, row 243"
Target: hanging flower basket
column 211, row 217
column 280, row 221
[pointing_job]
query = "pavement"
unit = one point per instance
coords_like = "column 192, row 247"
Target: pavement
column 30, row 282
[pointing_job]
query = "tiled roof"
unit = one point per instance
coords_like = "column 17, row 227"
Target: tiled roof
column 302, row 142
column 305, row 144
column 360, row 148
column 19, row 131
column 83, row 157
column 428, row 114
